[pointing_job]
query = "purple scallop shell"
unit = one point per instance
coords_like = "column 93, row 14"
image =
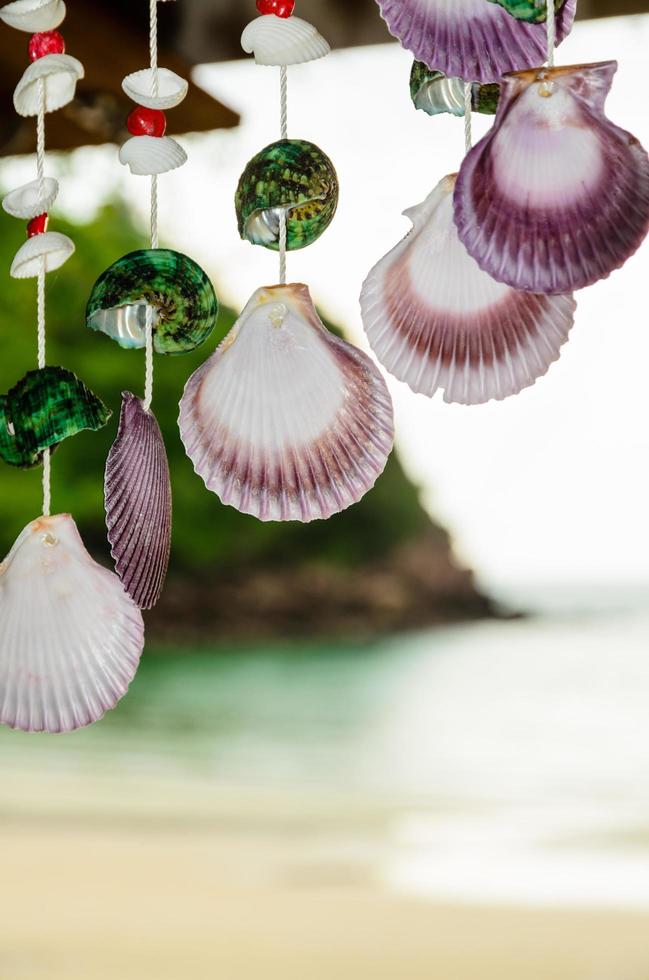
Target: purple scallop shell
column 555, row 197
column 471, row 39
column 138, row 503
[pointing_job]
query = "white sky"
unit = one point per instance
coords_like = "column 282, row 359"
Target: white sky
column 552, row 484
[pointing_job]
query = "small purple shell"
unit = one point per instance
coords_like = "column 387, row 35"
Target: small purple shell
column 138, row 503
column 470, row 39
column 555, row 197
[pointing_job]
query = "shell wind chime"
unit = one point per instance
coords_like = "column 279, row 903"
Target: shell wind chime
column 70, row 636
column 163, row 302
column 477, row 300
column 286, row 421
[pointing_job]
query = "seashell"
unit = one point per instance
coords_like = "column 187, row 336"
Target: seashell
column 33, row 16
column 470, row 39
column 138, row 503
column 282, row 41
column 293, row 176
column 534, row 11
column 31, row 199
column 51, row 248
column 434, row 93
column 172, row 89
column 555, row 196
column 435, row 320
column 181, row 295
column 148, row 156
column 59, row 74
column 285, row 421
column 70, row 637
column 44, row 408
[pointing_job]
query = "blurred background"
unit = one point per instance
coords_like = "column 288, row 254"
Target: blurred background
column 414, row 740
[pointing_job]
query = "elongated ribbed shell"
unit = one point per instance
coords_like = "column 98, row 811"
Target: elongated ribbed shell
column 52, row 247
column 33, row 16
column 59, row 74
column 148, row 156
column 138, row 503
column 285, row 421
column 530, row 10
column 31, row 199
column 437, row 321
column 433, row 92
column 44, row 408
column 171, row 88
column 293, row 176
column 70, row 637
column 555, row 196
column 283, row 41
column 470, row 39
column 180, row 295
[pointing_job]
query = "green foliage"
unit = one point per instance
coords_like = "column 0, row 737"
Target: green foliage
column 205, row 532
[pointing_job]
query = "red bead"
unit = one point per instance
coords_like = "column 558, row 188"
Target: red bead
column 37, row 226
column 146, row 122
column 281, row 8
column 48, row 42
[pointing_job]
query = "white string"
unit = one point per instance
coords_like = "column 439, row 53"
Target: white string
column 551, row 24
column 468, row 117
column 148, row 363
column 40, row 294
column 283, row 87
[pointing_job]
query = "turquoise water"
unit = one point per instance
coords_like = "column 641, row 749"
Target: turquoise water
column 497, row 761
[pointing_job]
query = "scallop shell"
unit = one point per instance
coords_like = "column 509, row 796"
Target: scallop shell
column 44, row 408
column 138, row 503
column 70, row 637
column 31, row 199
column 172, row 89
column 185, row 307
column 293, row 176
column 53, row 247
column 285, row 421
column 282, row 41
column 437, row 321
column 59, row 73
column 470, row 39
column 555, row 196
column 434, row 93
column 33, row 16
column 148, row 156
column 534, row 11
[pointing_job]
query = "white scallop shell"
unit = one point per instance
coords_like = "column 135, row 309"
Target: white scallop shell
column 150, row 155
column 70, row 637
column 436, row 321
column 52, row 246
column 286, row 421
column 33, row 16
column 59, row 73
column 31, row 199
column 172, row 89
column 281, row 41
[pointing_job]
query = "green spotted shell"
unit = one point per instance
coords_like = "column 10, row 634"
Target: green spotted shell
column 44, row 408
column 182, row 299
column 534, row 11
column 434, row 93
column 292, row 176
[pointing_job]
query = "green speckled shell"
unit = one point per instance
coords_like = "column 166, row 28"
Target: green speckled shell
column 294, row 175
column 44, row 408
column 185, row 307
column 534, row 11
column 434, row 93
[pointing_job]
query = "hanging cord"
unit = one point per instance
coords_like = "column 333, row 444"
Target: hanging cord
column 551, row 24
column 40, row 296
column 284, row 135
column 148, row 370
column 468, row 116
